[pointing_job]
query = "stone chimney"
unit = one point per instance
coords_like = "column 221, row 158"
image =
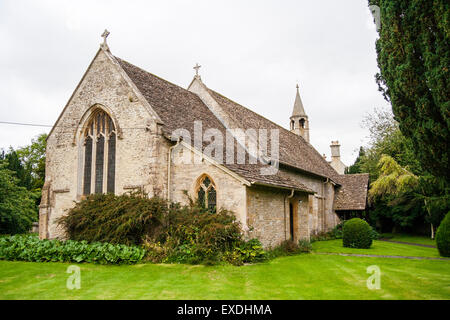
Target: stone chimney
column 336, row 162
column 335, row 150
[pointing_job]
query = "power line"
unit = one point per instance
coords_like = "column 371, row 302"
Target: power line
column 51, row 126
column 26, row 124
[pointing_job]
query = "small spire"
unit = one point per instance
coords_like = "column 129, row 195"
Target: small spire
column 197, row 67
column 105, row 35
column 298, row 105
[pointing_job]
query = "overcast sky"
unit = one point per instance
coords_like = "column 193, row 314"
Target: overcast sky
column 253, row 52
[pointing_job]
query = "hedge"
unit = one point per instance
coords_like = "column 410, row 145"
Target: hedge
column 443, row 237
column 357, row 233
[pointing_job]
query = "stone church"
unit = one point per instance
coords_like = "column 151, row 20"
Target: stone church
column 125, row 129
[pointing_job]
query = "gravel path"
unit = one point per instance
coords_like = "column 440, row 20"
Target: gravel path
column 409, row 243
column 381, row 256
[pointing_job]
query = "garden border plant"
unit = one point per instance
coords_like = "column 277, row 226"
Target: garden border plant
column 169, row 233
column 31, row 248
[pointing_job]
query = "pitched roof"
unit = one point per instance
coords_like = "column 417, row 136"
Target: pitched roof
column 179, row 108
column 298, row 106
column 352, row 195
column 294, row 150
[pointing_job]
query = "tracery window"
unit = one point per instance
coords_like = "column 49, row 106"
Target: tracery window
column 206, row 194
column 99, row 154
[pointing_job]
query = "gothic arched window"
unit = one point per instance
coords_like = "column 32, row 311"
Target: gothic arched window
column 99, row 154
column 206, row 194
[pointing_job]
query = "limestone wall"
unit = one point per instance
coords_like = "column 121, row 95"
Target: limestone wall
column 321, row 217
column 268, row 215
column 231, row 193
column 139, row 148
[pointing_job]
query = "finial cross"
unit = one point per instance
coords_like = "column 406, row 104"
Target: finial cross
column 105, row 35
column 297, row 86
column 196, row 67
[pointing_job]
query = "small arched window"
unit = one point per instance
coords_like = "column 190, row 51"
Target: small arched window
column 302, row 123
column 99, row 154
column 292, row 125
column 206, row 194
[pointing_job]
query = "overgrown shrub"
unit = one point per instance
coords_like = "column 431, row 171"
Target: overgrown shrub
column 357, row 233
column 247, row 252
column 192, row 234
column 251, row 251
column 286, row 248
column 168, row 233
column 337, row 232
column 174, row 234
column 30, row 248
column 374, row 234
column 124, row 219
column 202, row 232
column 443, row 237
column 323, row 236
column 304, row 246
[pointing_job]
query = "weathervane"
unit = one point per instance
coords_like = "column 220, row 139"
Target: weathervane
column 105, row 35
column 197, row 67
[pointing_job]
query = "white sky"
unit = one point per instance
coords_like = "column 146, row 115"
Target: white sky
column 253, row 52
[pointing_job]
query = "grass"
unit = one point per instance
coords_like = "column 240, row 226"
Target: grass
column 409, row 238
column 378, row 248
column 307, row 276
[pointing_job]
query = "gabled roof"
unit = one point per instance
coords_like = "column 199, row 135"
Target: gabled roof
column 179, row 108
column 294, row 150
column 352, row 195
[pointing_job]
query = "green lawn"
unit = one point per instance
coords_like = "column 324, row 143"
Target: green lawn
column 307, row 276
column 410, row 238
column 378, row 248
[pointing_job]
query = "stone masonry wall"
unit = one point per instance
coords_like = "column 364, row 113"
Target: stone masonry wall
column 184, row 176
column 321, row 217
column 139, row 147
column 268, row 215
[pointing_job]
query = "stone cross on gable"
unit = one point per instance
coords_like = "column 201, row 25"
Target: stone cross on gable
column 197, row 67
column 105, row 35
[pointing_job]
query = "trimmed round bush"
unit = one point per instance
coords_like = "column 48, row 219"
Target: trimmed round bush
column 443, row 237
column 357, row 234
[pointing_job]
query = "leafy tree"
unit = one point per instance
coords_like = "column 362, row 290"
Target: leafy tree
column 426, row 202
column 384, row 138
column 414, row 59
column 406, row 192
column 17, row 204
column 435, row 194
column 33, row 159
column 393, row 180
column 356, row 167
column 14, row 164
